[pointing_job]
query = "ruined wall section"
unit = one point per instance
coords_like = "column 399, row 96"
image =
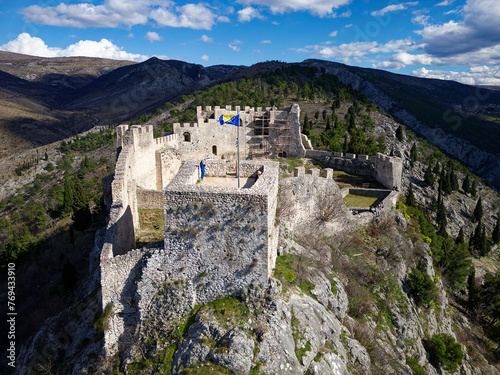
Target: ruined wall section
column 385, row 169
column 304, row 195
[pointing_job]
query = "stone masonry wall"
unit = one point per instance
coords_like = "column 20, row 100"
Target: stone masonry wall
column 385, row 169
column 206, row 138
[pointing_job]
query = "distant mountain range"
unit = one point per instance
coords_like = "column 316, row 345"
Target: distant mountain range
column 45, row 99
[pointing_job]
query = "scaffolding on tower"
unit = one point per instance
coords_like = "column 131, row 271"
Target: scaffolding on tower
column 270, row 140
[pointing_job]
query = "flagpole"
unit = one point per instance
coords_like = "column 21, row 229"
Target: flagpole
column 238, row 144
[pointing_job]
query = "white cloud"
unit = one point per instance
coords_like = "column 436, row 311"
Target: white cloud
column 153, row 36
column 320, row 8
column 393, row 8
column 248, row 14
column 275, row 23
column 345, row 14
column 193, row 16
column 206, row 39
column 115, row 13
column 333, row 34
column 257, row 51
column 205, row 58
column 479, row 29
column 265, row 42
column 445, row 3
column 483, row 76
column 234, row 48
column 26, row 44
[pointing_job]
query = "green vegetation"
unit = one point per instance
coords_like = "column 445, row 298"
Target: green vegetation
column 445, row 352
column 355, row 200
column 415, row 367
column 422, row 287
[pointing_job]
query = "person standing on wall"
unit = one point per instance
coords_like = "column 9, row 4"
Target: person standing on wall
column 202, row 169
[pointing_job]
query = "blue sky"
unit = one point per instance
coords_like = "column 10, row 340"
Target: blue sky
column 446, row 39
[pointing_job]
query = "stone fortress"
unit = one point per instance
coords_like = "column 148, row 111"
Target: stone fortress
column 217, row 240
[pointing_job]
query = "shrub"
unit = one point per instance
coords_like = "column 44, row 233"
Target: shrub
column 422, row 287
column 445, row 351
column 415, row 367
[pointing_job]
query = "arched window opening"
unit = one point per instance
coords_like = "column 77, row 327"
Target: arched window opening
column 187, row 137
column 214, row 149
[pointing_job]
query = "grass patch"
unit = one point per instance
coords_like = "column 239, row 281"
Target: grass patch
column 151, row 225
column 354, row 200
column 229, row 311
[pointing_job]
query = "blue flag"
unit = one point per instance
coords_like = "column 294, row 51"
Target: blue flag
column 228, row 119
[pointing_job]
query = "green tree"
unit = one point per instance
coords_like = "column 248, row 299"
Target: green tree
column 495, row 236
column 461, row 237
column 400, row 133
column 68, row 195
column 422, row 287
column 466, row 184
column 429, row 177
column 413, row 154
column 410, row 197
column 473, row 291
column 454, row 180
column 473, row 189
column 477, row 215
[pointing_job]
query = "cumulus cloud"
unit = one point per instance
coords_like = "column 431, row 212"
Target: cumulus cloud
column 234, row 48
column 334, row 33
column 265, row 42
column 248, row 14
column 114, row 13
column 26, row 44
column 193, row 16
column 153, row 36
column 483, row 75
column 205, row 58
column 320, row 8
column 478, row 29
column 206, row 39
column 393, row 8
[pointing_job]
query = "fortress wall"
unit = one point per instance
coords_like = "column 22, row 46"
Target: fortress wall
column 168, row 162
column 150, row 199
column 118, row 286
column 217, row 239
column 385, row 169
column 302, row 198
column 216, row 168
column 168, row 141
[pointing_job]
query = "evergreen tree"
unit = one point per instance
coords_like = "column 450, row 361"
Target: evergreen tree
column 400, row 133
column 473, row 189
column 477, row 236
column 413, row 154
column 316, row 115
column 323, row 114
column 461, row 237
column 437, row 169
column 447, row 187
column 441, row 219
column 477, row 215
column 457, row 264
column 345, row 147
column 453, row 180
column 328, row 126
column 473, row 291
column 68, row 195
column 410, row 197
column 80, row 196
column 429, row 176
column 496, row 232
column 466, row 184
column 46, row 156
column 484, row 246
